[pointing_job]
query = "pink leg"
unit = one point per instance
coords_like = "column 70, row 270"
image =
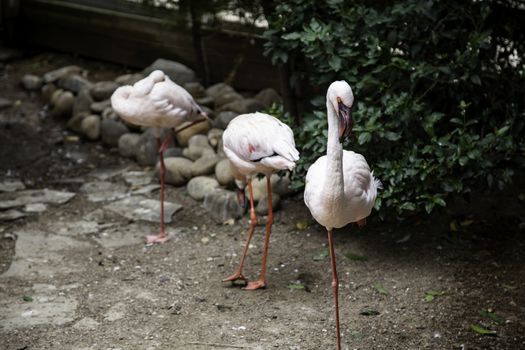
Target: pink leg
column 261, row 282
column 162, row 236
column 237, row 275
column 335, row 288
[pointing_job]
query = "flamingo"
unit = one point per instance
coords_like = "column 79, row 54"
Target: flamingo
column 339, row 188
column 257, row 143
column 157, row 102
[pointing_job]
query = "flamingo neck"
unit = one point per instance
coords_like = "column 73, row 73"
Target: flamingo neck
column 334, row 182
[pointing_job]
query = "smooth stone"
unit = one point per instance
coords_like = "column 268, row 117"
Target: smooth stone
column 11, row 185
column 206, row 101
column 199, row 186
column 99, row 107
column 223, row 172
column 173, row 152
column 109, row 113
column 111, row 130
column 56, row 74
column 129, row 79
column 177, row 72
column 220, row 149
column 223, row 119
column 218, row 89
column 74, row 83
column 35, row 208
column 47, row 92
column 226, row 98
column 247, row 105
column 21, row 198
column 62, row 103
column 198, row 141
column 222, row 205
column 75, row 122
column 184, row 136
column 138, row 178
column 139, row 208
column 197, row 152
column 32, row 82
column 83, row 102
column 178, row 170
column 262, row 206
column 268, row 97
column 90, row 127
column 128, row 144
column 147, row 149
column 103, row 90
column 214, row 136
column 195, row 89
column 280, row 185
column 205, row 165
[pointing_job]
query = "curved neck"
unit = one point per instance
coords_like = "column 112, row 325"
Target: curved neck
column 334, row 154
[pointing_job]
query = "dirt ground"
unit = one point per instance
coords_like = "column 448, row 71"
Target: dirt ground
column 130, row 296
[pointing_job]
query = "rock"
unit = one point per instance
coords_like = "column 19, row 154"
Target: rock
column 177, row 72
column 197, row 147
column 223, row 119
column 128, row 144
column 21, row 198
column 109, row 113
column 75, row 122
column 204, row 165
column 173, row 152
column 200, row 141
column 5, row 103
column 83, row 102
column 178, row 170
column 111, row 130
column 218, row 89
column 184, row 135
column 11, row 185
column 280, row 185
column 195, row 89
column 199, row 186
column 103, row 90
column 99, row 107
column 103, row 191
column 62, row 102
column 220, row 149
column 227, row 97
column 214, row 136
column 248, row 105
column 129, row 79
column 47, row 92
column 138, row 208
column 268, row 97
column 74, row 83
column 206, row 101
column 223, row 172
column 11, row 214
column 147, row 149
column 262, row 206
column 32, row 82
column 90, row 127
column 56, row 74
column 223, row 205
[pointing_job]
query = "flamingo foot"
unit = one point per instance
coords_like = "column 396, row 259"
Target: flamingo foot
column 236, row 277
column 254, row 285
column 160, row 238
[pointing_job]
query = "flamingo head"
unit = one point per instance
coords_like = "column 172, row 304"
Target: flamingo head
column 341, row 97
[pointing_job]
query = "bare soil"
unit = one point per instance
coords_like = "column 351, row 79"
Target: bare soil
column 171, row 296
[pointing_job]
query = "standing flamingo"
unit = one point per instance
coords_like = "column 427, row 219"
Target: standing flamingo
column 257, row 143
column 157, row 102
column 340, row 188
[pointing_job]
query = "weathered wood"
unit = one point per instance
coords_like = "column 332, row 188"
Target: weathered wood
column 136, row 39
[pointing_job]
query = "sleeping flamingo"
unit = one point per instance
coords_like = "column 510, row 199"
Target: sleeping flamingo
column 257, row 143
column 340, row 188
column 157, row 102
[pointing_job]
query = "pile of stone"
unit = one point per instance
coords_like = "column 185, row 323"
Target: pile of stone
column 195, row 158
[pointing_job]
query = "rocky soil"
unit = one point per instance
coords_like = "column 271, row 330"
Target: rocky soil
column 78, row 192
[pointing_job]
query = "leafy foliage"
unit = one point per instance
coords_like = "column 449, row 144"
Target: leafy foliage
column 439, row 86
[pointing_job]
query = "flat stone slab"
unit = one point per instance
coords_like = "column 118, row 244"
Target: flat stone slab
column 120, row 236
column 103, row 191
column 11, row 185
column 22, row 198
column 138, row 178
column 11, row 214
column 106, row 174
column 138, row 208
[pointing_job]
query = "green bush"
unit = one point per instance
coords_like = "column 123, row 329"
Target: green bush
column 439, row 88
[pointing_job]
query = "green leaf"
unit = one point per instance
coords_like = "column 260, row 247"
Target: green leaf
column 364, row 137
column 380, row 289
column 321, row 255
column 494, row 317
column 356, row 257
column 292, row 36
column 392, row 136
column 481, row 330
column 431, row 294
column 27, row 298
column 335, row 63
column 296, row 286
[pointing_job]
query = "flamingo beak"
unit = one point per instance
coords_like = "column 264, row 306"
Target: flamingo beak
column 345, row 119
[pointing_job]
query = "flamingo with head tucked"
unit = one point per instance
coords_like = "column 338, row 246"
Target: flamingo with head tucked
column 257, row 143
column 340, row 188
column 157, row 102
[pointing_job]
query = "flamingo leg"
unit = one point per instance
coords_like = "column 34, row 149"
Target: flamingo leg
column 162, row 236
column 237, row 275
column 335, row 288
column 261, row 282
